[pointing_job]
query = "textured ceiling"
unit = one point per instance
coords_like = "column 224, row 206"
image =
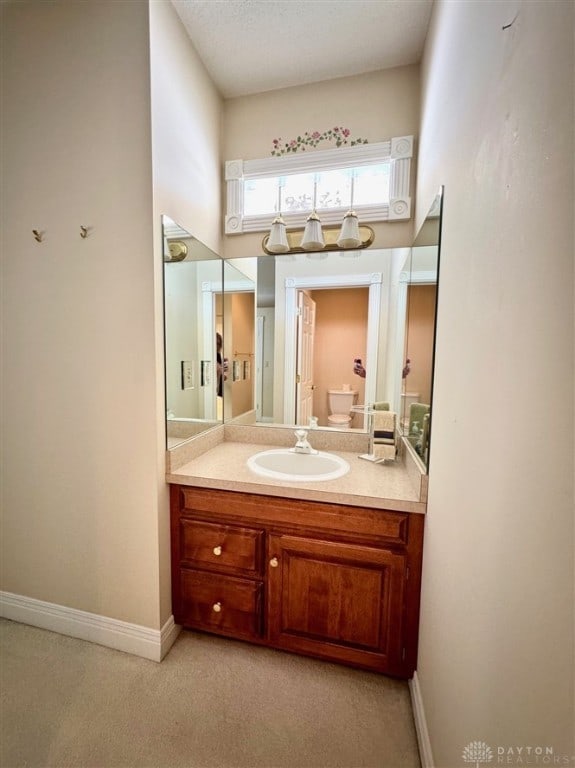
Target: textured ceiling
column 249, row 46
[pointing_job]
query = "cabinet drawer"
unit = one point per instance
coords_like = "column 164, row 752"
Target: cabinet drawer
column 225, row 548
column 221, row 604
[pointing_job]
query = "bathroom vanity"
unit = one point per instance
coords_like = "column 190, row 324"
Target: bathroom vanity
column 327, row 568
column 330, row 575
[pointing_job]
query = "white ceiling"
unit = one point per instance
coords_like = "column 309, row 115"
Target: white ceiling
column 249, row 46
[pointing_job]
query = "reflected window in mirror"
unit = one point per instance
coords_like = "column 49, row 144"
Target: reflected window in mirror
column 193, row 290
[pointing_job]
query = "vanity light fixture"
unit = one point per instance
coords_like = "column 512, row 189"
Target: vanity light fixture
column 330, row 235
column 349, row 235
column 277, row 240
column 315, row 239
column 312, row 239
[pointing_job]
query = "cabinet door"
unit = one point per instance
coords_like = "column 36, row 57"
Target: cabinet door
column 338, row 601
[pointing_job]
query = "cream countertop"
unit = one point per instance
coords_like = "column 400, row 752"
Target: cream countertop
column 390, row 486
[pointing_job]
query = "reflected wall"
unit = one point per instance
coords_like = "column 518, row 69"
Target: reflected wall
column 192, row 289
column 419, row 293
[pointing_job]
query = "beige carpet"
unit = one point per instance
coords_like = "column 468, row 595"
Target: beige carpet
column 211, row 703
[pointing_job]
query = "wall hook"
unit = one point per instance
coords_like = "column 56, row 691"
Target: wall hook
column 37, row 235
column 83, row 231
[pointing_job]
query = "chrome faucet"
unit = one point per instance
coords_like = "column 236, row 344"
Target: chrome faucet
column 302, row 445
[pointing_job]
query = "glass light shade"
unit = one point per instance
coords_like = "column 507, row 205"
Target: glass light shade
column 313, row 236
column 277, row 241
column 349, row 235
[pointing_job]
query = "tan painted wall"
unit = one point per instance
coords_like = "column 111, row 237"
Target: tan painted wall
column 80, row 480
column 420, row 326
column 375, row 106
column 187, row 117
column 84, row 503
column 340, row 336
column 186, row 134
column 496, row 645
column 242, row 328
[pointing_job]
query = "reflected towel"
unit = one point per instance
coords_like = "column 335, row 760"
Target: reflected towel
column 381, row 406
column 425, row 436
column 384, row 434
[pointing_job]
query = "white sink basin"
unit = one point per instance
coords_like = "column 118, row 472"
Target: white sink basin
column 285, row 464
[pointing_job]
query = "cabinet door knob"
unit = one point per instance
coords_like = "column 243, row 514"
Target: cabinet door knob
column 217, row 551
column 274, row 562
column 217, row 607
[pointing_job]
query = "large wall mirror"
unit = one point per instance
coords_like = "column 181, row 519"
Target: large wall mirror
column 299, row 339
column 193, row 300
column 326, row 335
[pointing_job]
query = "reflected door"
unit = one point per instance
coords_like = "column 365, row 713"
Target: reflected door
column 304, row 364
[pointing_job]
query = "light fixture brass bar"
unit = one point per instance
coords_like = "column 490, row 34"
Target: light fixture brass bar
column 330, row 236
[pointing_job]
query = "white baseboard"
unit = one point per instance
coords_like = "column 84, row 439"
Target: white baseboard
column 425, row 753
column 168, row 635
column 131, row 638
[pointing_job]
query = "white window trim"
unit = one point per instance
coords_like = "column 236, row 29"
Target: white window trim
column 398, row 151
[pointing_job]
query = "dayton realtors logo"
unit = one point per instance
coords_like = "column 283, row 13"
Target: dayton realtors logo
column 479, row 753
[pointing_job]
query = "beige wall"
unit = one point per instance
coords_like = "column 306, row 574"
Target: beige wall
column 496, row 645
column 375, row 106
column 84, row 502
column 80, row 479
column 186, row 130
column 186, row 136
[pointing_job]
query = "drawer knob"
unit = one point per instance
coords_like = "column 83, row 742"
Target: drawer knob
column 274, row 562
column 217, row 551
column 217, row 607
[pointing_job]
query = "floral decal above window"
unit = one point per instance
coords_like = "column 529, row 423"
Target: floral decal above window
column 340, row 136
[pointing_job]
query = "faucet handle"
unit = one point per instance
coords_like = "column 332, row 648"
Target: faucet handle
column 301, row 434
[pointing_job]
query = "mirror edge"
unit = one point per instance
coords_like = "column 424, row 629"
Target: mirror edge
column 436, row 206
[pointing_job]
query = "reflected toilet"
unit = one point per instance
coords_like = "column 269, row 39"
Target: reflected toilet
column 340, row 402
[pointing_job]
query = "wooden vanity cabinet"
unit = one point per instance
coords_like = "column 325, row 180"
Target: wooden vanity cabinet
column 326, row 580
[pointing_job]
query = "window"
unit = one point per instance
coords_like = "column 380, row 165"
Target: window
column 375, row 177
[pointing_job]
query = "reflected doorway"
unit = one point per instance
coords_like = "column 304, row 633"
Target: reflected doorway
column 346, row 327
